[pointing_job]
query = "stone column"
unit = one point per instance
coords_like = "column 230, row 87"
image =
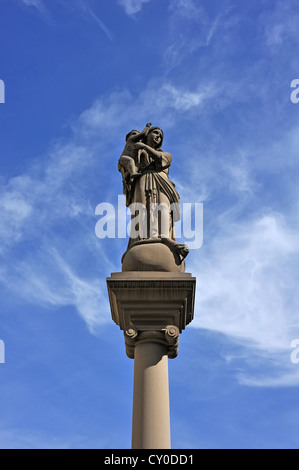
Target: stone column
column 151, row 416
column 152, row 308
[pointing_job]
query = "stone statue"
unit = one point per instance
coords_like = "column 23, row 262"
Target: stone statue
column 154, row 203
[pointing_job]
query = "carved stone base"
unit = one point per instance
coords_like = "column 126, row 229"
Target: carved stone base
column 155, row 254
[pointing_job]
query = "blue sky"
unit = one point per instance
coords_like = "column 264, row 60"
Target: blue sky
column 215, row 76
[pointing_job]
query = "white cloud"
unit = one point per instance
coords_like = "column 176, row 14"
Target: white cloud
column 187, row 9
column 38, row 4
column 247, row 288
column 100, row 23
column 79, row 6
column 26, row 438
column 280, row 24
column 46, row 215
column 185, row 17
column 247, row 283
column 88, row 296
column 160, row 98
column 183, row 100
column 82, row 7
column 32, row 202
column 50, row 281
column 132, row 6
column 287, row 376
column 33, row 3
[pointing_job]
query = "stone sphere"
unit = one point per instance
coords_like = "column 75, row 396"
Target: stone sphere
column 152, row 257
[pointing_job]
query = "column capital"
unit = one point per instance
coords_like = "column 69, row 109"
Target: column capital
column 168, row 337
column 151, row 300
column 151, row 306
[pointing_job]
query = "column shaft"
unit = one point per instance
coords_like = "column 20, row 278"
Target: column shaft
column 151, row 418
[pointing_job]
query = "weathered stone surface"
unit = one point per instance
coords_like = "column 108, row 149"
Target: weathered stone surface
column 151, row 301
column 152, row 257
column 153, row 200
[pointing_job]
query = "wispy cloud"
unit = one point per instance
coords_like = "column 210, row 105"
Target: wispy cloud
column 183, row 100
column 280, row 25
column 184, row 16
column 34, row 3
column 38, row 5
column 20, row 438
column 84, row 8
column 98, row 21
column 45, row 216
column 247, row 286
column 48, row 280
column 132, row 6
column 158, row 99
column 80, row 7
column 282, row 373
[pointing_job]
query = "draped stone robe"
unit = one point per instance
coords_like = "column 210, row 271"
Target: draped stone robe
column 153, row 189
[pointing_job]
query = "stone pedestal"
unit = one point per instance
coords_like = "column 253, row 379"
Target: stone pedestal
column 152, row 308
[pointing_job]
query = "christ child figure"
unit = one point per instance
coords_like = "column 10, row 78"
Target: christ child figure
column 128, row 162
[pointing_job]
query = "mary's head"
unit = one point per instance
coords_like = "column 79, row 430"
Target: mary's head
column 155, row 137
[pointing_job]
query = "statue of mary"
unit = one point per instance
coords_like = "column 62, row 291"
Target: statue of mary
column 155, row 206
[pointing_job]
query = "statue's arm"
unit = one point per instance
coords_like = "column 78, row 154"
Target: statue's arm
column 163, row 159
column 142, row 134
